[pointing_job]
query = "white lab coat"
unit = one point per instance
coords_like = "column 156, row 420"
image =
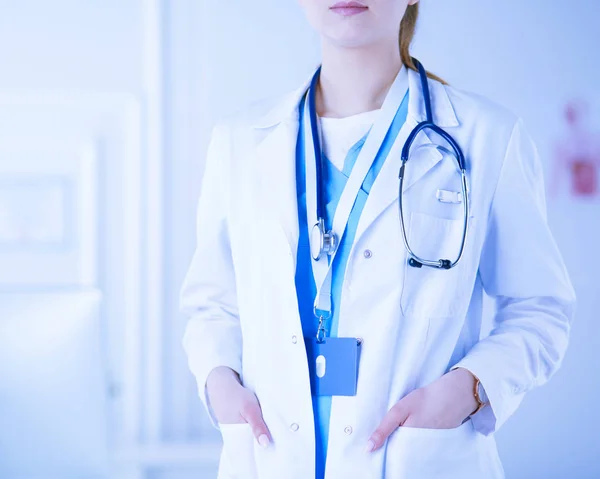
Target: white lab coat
column 415, row 323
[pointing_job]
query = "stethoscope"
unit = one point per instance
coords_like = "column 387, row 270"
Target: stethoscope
column 324, row 242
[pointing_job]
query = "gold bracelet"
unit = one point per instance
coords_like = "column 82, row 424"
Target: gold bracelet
column 480, row 403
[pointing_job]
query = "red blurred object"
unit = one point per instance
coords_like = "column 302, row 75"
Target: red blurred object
column 577, row 154
column 584, row 175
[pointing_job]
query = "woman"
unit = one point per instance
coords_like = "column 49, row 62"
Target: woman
column 349, row 356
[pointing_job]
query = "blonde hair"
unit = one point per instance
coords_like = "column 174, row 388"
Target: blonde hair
column 407, row 32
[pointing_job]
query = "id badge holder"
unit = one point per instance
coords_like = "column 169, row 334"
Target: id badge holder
column 333, row 365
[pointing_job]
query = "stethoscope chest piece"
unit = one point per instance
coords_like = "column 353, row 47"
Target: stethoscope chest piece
column 321, row 241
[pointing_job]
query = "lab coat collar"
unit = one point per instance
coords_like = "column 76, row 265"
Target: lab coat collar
column 443, row 111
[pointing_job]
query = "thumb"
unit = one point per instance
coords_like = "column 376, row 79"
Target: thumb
column 252, row 414
column 394, row 417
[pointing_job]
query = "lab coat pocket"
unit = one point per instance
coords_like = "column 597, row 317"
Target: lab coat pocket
column 432, row 292
column 420, row 453
column 237, row 457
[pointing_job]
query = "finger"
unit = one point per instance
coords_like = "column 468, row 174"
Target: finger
column 252, row 413
column 395, row 416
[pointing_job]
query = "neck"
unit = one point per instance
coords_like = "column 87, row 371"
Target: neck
column 355, row 80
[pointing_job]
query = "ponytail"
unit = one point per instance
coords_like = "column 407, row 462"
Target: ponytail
column 407, row 32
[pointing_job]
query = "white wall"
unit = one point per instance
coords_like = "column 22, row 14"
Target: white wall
column 71, row 99
column 70, row 44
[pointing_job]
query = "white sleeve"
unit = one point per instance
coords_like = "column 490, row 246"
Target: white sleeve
column 522, row 268
column 208, row 296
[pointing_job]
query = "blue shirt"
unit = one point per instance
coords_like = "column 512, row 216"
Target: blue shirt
column 306, row 290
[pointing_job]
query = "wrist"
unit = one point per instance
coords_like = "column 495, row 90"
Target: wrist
column 467, row 383
column 222, row 376
column 479, row 398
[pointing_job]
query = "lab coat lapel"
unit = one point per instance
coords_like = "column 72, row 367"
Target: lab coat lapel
column 277, row 176
column 277, row 133
column 385, row 187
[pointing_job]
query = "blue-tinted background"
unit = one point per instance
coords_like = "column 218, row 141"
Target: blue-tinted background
column 105, row 111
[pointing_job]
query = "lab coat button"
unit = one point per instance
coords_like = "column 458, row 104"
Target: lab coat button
column 368, row 253
column 348, row 430
column 294, row 427
column 516, row 389
column 294, row 339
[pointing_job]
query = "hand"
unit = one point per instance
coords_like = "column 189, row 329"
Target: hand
column 443, row 404
column 233, row 403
